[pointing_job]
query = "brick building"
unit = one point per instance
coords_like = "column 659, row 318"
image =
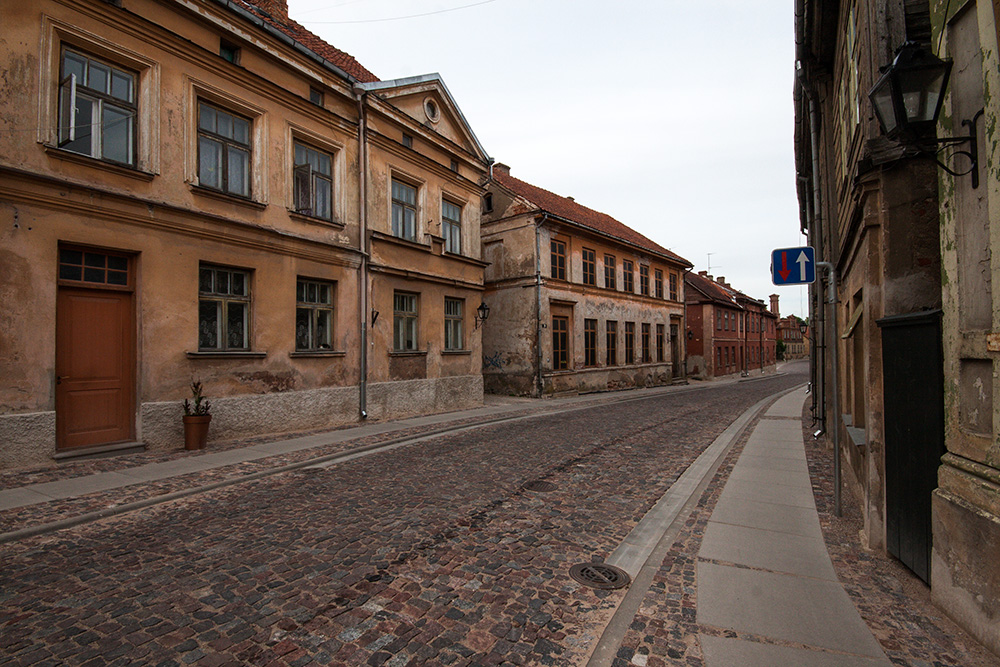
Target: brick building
column 579, row 301
column 791, row 337
column 729, row 333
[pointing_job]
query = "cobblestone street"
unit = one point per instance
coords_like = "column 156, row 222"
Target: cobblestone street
column 432, row 553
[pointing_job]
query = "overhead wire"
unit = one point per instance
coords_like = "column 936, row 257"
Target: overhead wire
column 399, row 18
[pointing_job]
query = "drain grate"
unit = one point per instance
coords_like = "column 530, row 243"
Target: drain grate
column 539, row 485
column 599, row 575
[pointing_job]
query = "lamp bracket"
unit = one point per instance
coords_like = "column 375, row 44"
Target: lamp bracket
column 972, row 153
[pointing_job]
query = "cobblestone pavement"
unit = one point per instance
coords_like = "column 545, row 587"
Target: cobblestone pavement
column 433, row 553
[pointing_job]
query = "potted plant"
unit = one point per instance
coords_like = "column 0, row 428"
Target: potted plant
column 196, row 418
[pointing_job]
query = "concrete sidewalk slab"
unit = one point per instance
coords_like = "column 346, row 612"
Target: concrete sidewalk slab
column 767, row 516
column 769, row 476
column 797, row 609
column 789, row 405
column 784, row 495
column 778, row 552
column 725, row 652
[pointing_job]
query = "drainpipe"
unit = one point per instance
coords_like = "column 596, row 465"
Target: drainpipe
column 539, row 386
column 365, row 251
column 684, row 326
column 817, row 359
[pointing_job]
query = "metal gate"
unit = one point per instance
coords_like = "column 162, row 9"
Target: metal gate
column 913, row 377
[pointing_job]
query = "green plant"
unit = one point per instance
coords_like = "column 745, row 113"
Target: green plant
column 201, row 404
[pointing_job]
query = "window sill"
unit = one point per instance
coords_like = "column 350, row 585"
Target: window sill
column 304, row 217
column 382, row 236
column 456, row 352
column 408, row 353
column 226, row 197
column 226, row 354
column 317, row 353
column 114, row 168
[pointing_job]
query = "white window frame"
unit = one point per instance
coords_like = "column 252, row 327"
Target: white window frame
column 57, row 35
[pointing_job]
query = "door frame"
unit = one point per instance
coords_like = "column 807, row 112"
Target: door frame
column 66, row 283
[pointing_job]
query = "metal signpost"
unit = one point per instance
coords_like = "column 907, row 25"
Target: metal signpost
column 797, row 266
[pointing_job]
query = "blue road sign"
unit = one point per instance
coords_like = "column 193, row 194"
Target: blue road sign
column 793, row 266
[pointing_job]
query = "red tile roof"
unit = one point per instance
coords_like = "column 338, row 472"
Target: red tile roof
column 586, row 217
column 711, row 289
column 344, row 61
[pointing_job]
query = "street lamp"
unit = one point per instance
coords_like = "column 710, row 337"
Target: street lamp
column 907, row 100
column 482, row 313
column 803, row 327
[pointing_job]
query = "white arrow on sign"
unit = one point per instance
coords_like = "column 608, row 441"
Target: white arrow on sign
column 802, row 261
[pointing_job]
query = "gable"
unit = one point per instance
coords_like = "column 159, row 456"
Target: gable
column 427, row 101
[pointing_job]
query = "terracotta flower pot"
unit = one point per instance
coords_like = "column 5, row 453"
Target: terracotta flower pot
column 196, row 431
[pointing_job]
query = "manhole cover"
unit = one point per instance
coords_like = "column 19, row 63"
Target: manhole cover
column 599, row 575
column 539, row 485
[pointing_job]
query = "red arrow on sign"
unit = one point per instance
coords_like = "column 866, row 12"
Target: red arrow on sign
column 784, row 272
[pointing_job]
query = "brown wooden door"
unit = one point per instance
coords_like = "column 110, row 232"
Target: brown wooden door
column 95, row 354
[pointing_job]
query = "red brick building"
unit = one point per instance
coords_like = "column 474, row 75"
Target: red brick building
column 729, row 332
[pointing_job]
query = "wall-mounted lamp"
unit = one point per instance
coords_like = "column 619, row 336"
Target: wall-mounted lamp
column 803, row 327
column 907, row 101
column 482, row 314
column 690, row 334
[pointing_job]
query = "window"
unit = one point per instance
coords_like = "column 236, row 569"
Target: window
column 611, row 337
column 316, row 96
column 93, row 267
column 230, row 52
column 451, row 227
column 718, row 320
column 560, row 343
column 404, row 322
column 589, row 267
column 725, row 321
column 453, row 324
column 223, row 150
column 313, row 179
column 628, row 276
column 97, row 109
column 673, row 287
column 223, row 309
column 313, row 316
column 590, row 342
column 660, row 336
column 407, row 140
column 644, row 279
column 404, row 210
column 488, row 202
column 630, row 342
column 646, row 355
column 609, row 272
column 454, row 166
column 659, row 283
column 558, row 259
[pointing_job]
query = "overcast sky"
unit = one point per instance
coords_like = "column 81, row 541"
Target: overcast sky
column 675, row 118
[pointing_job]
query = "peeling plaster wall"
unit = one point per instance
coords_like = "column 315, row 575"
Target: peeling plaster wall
column 965, row 580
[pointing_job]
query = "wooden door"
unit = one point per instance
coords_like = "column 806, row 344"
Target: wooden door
column 95, row 361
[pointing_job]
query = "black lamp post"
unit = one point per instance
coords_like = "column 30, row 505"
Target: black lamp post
column 803, row 327
column 907, row 99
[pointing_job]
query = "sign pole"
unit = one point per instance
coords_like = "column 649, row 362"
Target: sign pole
column 835, row 426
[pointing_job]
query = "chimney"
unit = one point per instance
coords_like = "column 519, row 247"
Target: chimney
column 502, row 168
column 703, row 274
column 774, row 304
column 571, row 199
column 721, row 280
column 276, row 8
